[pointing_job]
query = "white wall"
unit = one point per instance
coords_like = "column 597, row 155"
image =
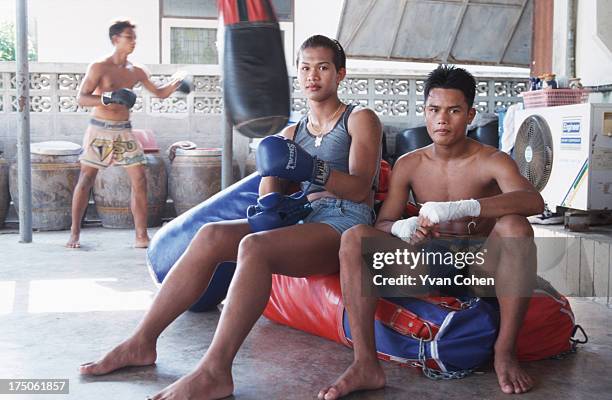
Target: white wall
column 593, row 58
column 560, row 30
column 77, row 30
column 316, row 17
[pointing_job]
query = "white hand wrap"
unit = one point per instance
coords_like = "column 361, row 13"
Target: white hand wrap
column 405, row 228
column 444, row 211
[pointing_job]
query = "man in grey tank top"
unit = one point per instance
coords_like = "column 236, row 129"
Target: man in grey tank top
column 349, row 143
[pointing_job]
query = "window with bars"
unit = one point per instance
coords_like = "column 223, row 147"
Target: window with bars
column 193, row 46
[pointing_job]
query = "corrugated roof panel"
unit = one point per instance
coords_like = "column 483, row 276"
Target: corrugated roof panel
column 496, row 32
column 473, row 42
column 375, row 27
column 436, row 22
column 519, row 48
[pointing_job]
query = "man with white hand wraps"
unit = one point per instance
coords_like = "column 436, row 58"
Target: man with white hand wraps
column 467, row 190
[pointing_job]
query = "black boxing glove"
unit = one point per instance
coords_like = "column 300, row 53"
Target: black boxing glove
column 123, row 96
column 185, row 79
column 186, row 85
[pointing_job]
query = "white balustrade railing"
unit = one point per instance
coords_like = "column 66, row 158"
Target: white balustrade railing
column 395, row 98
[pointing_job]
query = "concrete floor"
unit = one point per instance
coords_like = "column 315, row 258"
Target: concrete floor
column 60, row 308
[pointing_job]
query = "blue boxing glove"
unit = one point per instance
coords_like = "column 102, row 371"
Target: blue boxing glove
column 275, row 210
column 283, row 158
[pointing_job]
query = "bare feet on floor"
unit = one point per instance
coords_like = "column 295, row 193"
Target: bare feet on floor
column 73, row 242
column 359, row 376
column 511, row 377
column 131, row 353
column 141, row 242
column 200, row 384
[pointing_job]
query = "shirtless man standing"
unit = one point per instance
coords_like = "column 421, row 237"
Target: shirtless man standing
column 109, row 140
column 447, row 176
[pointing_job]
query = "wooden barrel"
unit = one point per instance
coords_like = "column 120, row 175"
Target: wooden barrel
column 112, row 191
column 55, row 172
column 195, row 175
column 5, row 197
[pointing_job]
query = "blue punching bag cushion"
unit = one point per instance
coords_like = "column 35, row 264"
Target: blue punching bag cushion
column 172, row 239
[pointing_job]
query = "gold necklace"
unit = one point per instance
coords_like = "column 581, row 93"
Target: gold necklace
column 318, row 130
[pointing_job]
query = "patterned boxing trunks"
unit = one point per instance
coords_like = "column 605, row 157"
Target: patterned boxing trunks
column 111, row 143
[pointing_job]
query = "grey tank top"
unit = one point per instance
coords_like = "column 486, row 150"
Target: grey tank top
column 334, row 148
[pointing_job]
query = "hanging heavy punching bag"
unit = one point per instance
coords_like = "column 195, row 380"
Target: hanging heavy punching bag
column 255, row 80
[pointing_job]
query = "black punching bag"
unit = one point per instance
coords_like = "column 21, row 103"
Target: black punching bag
column 255, row 80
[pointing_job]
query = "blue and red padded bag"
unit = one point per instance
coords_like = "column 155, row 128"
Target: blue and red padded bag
column 447, row 339
column 445, row 336
column 462, row 335
column 549, row 326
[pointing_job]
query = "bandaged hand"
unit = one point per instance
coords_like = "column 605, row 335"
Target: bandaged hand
column 444, row 211
column 405, row 228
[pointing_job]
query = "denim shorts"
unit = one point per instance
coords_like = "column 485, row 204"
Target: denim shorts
column 340, row 214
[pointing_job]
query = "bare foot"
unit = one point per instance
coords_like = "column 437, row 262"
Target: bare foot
column 73, row 242
column 200, row 384
column 130, row 353
column 511, row 377
column 358, row 376
column 141, row 242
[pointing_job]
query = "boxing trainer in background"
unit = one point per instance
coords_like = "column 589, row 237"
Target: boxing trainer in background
column 107, row 88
